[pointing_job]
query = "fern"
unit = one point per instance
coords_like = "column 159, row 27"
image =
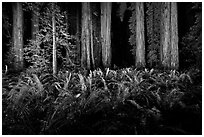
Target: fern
column 60, row 101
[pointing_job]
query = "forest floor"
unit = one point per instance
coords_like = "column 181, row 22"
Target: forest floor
column 121, row 102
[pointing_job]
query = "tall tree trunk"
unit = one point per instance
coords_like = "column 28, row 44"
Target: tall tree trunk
column 85, row 57
column 96, row 22
column 174, row 37
column 106, row 8
column 91, row 40
column 54, row 50
column 86, row 37
column 166, row 35
column 140, row 40
column 78, row 33
column 18, row 35
column 169, row 36
column 35, row 24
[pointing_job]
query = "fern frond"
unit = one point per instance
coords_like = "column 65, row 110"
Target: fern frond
column 67, row 81
column 39, row 85
column 82, row 82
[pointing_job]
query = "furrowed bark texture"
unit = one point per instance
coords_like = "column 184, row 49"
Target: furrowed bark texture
column 106, row 8
column 166, row 38
column 174, row 37
column 18, row 36
column 84, row 33
column 96, row 22
column 87, row 58
column 169, row 36
column 140, row 40
column 92, row 42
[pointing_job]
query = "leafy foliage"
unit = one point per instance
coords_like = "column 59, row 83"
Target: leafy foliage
column 7, row 37
column 132, row 27
column 153, row 15
column 191, row 51
column 39, row 51
column 126, row 101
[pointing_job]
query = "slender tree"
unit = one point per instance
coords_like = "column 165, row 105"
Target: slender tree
column 35, row 23
column 18, row 35
column 140, row 38
column 106, row 8
column 54, row 62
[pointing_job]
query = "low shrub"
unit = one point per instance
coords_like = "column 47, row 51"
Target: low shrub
column 125, row 101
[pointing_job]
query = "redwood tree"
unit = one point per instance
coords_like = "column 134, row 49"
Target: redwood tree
column 140, row 38
column 96, row 27
column 169, row 36
column 87, row 37
column 165, row 35
column 106, row 8
column 18, row 35
column 174, row 37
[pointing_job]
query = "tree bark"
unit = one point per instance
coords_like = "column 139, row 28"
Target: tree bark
column 18, row 36
column 86, row 36
column 96, row 24
column 106, row 8
column 165, row 35
column 140, row 40
column 54, row 50
column 169, row 36
column 174, row 37
column 91, row 40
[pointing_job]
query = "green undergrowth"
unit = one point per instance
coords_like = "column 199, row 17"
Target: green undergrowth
column 125, row 101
